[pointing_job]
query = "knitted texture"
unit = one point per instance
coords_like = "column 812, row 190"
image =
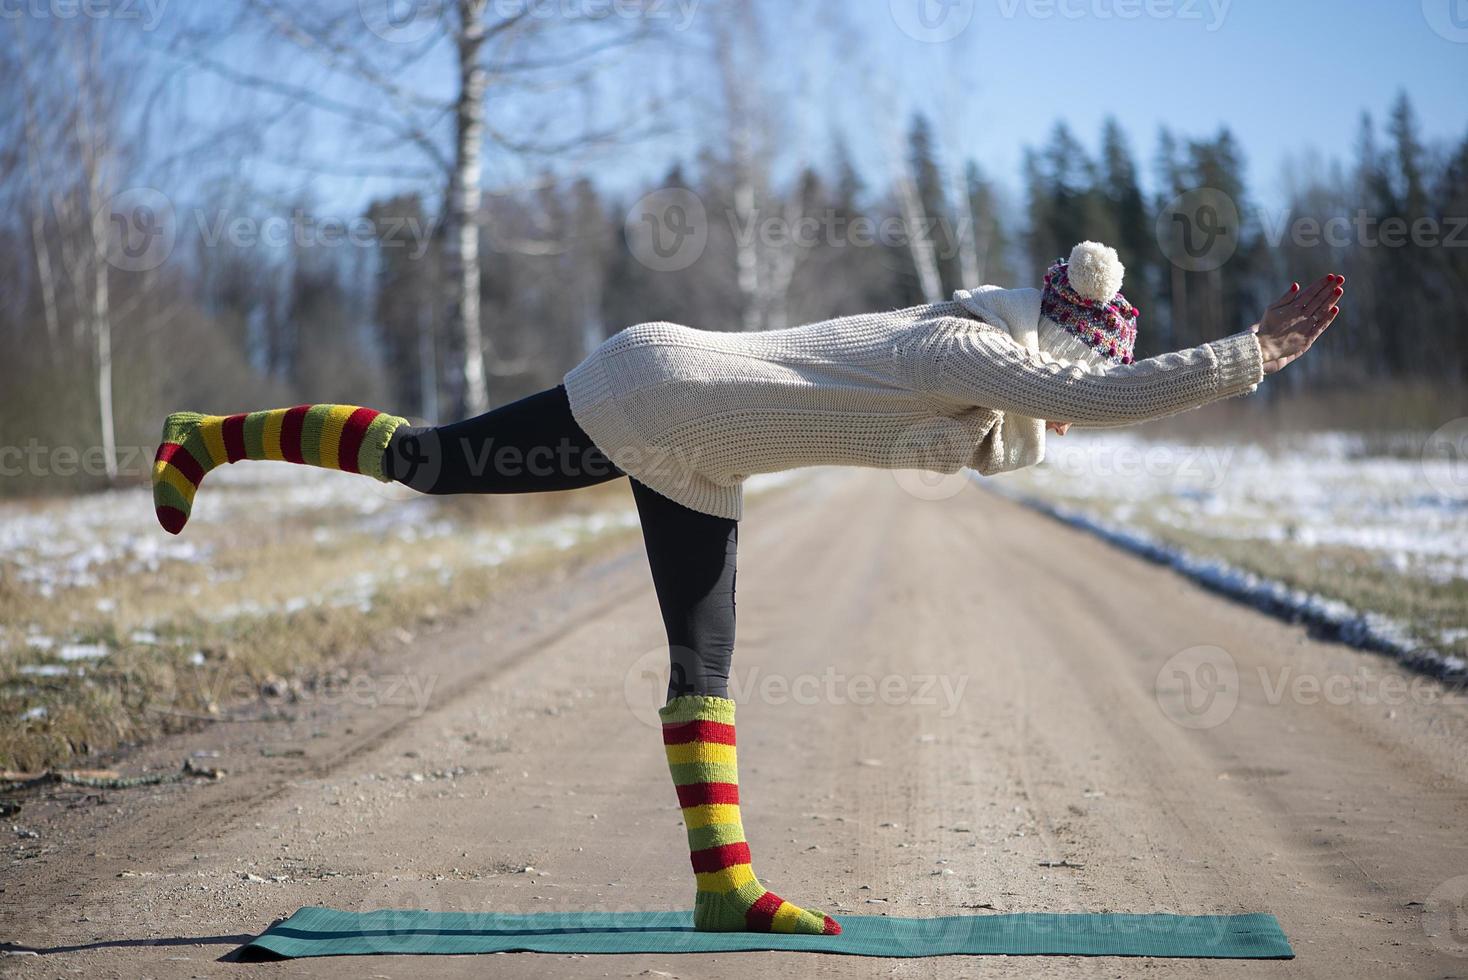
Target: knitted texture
column 337, row 437
column 691, row 413
column 698, row 736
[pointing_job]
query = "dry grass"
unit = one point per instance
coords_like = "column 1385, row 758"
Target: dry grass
column 1426, row 608
column 1371, row 407
column 279, row 603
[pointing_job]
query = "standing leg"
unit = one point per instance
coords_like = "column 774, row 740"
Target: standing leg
column 692, row 557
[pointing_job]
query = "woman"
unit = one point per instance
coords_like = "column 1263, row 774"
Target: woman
column 688, row 414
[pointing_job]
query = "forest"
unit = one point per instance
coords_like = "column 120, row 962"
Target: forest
column 139, row 280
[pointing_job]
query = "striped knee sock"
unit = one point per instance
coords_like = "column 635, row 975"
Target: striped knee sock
column 338, row 437
column 698, row 735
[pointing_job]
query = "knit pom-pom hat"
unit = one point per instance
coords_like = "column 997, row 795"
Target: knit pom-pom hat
column 1083, row 297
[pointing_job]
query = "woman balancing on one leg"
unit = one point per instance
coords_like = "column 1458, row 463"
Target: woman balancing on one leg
column 688, row 414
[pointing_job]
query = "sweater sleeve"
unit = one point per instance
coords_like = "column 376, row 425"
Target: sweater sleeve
column 986, row 367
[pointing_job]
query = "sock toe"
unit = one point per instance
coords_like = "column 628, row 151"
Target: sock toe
column 172, row 519
column 813, row 923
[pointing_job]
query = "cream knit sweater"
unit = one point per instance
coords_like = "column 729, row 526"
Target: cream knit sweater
column 691, row 413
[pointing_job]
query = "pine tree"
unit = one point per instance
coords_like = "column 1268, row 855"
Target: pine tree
column 991, row 241
column 1135, row 240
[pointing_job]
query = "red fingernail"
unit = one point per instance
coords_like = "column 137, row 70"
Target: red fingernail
column 1294, row 286
column 1334, row 310
column 1339, row 291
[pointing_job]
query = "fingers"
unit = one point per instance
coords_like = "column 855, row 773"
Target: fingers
column 1322, row 304
column 1319, row 299
column 1313, row 333
column 1287, row 298
column 1326, row 320
column 1330, row 305
column 1315, row 290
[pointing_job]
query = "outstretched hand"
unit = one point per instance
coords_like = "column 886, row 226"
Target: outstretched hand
column 1291, row 325
column 1288, row 328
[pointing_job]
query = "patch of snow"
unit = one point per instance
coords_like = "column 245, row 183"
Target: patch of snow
column 44, row 670
column 1365, row 630
column 82, row 651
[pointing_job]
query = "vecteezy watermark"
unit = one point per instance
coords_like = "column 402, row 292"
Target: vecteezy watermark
column 1363, row 230
column 1445, row 459
column 936, row 21
column 403, row 21
column 1445, row 917
column 932, row 21
column 1210, row 13
column 36, row 459
column 305, row 230
column 1447, row 18
column 1198, row 230
column 1362, row 687
column 1193, row 467
column 645, row 687
column 410, row 21
column 667, row 230
column 943, row 930
column 831, row 228
column 221, row 685
column 926, row 459
column 143, row 228
column 425, row 455
column 148, row 13
column 1198, row 688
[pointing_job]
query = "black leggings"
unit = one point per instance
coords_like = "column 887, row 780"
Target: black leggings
column 535, row 445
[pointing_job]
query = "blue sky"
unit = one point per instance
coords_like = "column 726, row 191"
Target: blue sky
column 1289, row 77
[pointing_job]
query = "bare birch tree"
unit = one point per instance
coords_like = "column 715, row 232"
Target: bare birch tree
column 536, row 67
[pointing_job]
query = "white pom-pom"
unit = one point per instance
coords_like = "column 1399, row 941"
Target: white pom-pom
column 1095, row 271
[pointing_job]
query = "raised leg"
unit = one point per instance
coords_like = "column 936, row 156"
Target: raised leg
column 337, row 437
column 528, row 446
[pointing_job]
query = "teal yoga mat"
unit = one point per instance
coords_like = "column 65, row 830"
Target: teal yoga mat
column 329, row 932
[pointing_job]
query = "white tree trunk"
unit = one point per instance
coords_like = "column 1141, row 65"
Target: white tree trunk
column 746, row 239
column 427, row 366
column 918, row 242
column 45, row 275
column 464, row 202
column 593, row 328
column 91, row 142
column 101, row 314
column 969, row 265
column 783, row 260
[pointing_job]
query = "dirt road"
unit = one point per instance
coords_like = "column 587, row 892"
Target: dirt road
column 937, row 699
